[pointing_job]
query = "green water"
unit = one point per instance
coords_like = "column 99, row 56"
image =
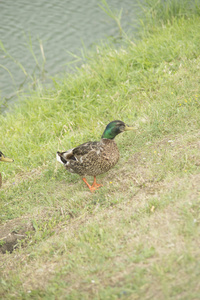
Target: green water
column 52, row 29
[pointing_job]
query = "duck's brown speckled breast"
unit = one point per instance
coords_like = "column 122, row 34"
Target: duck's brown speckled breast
column 103, row 159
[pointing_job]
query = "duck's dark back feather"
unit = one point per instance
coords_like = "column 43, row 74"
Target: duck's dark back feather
column 86, row 148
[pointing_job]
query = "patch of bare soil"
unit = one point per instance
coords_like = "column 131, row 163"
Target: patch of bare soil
column 13, row 231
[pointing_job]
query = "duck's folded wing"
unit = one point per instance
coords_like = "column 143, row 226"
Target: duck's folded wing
column 85, row 148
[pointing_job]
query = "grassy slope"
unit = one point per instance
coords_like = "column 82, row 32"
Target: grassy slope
column 138, row 236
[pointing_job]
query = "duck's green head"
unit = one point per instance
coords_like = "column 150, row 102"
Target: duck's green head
column 3, row 158
column 114, row 128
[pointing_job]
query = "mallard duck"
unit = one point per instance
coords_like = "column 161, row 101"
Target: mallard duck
column 94, row 158
column 6, row 159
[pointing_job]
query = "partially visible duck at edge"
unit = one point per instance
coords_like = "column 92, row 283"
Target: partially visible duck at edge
column 5, row 159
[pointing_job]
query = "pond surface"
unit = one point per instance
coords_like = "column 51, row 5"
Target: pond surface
column 33, row 30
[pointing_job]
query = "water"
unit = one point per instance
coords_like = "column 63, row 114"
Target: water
column 51, row 29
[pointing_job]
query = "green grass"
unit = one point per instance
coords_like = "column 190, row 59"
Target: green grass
column 138, row 236
column 159, row 13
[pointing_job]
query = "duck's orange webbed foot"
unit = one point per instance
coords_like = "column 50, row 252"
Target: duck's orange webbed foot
column 94, row 186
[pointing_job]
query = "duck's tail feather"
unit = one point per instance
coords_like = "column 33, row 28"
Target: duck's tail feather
column 65, row 157
column 60, row 158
